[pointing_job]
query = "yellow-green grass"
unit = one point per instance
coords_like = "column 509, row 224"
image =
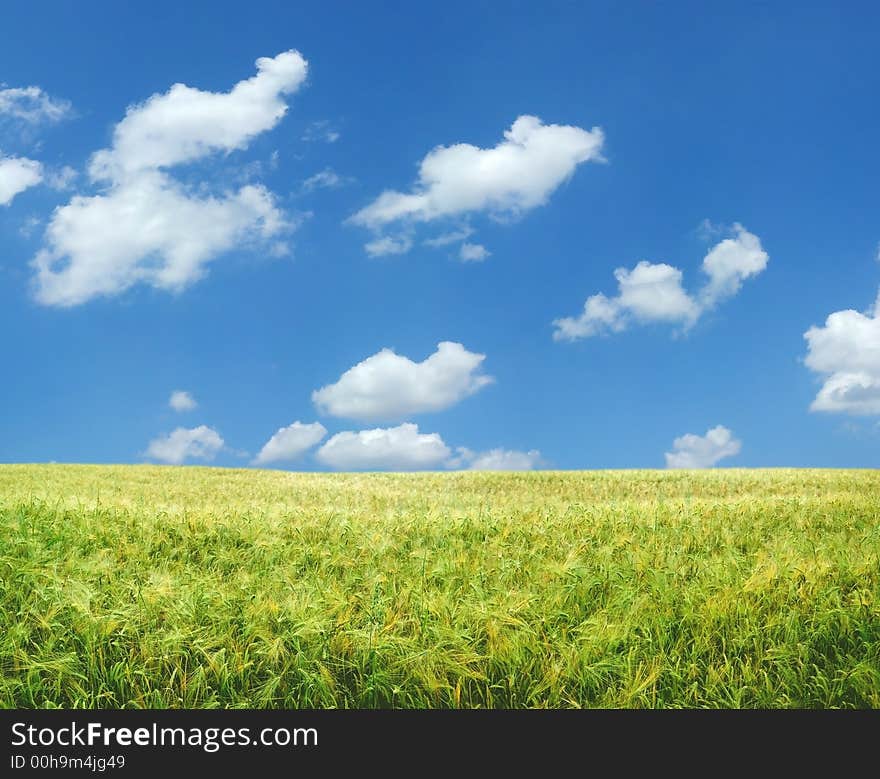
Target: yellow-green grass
column 143, row 586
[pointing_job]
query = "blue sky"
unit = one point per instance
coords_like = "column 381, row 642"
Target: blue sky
column 234, row 246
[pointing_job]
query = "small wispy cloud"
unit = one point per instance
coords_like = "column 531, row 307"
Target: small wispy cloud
column 32, row 105
column 325, row 179
column 62, row 178
column 321, row 130
column 473, row 252
column 29, row 226
column 181, row 400
column 445, row 239
column 388, row 244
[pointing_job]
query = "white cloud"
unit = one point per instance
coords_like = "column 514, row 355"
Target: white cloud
column 389, row 386
column 185, row 124
column 851, row 393
column 473, row 252
column 518, row 174
column 147, row 227
column 708, row 230
column 32, row 105
column 29, row 225
column 181, row 400
column 62, row 178
column 444, row 239
column 320, row 130
column 16, row 175
column 648, row 293
column 325, row 179
column 847, row 352
column 400, row 244
column 202, row 443
column 654, row 293
column 148, row 230
column 729, row 263
column 20, row 173
column 396, row 448
column 290, row 442
column 497, row 460
column 693, row 451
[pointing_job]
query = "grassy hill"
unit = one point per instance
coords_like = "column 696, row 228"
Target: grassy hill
column 144, row 586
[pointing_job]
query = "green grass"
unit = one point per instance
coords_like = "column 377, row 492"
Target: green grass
column 142, row 586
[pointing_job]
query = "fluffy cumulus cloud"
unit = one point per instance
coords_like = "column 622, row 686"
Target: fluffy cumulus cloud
column 389, row 386
column 150, row 230
column 181, row 400
column 290, row 442
column 694, row 451
column 497, row 460
column 647, row 293
column 518, row 174
column 32, row 105
column 846, row 352
column 400, row 448
column 653, row 292
column 198, row 443
column 16, row 175
column 146, row 226
column 186, row 124
column 729, row 263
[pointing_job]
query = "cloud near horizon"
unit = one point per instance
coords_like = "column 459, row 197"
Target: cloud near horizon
column 404, row 448
column 395, row 448
column 388, row 386
column 290, row 442
column 694, row 451
column 197, row 443
column 496, row 460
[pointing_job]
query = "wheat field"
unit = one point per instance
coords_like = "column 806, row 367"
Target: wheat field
column 186, row 587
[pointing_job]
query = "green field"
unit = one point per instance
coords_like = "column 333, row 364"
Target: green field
column 144, row 586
